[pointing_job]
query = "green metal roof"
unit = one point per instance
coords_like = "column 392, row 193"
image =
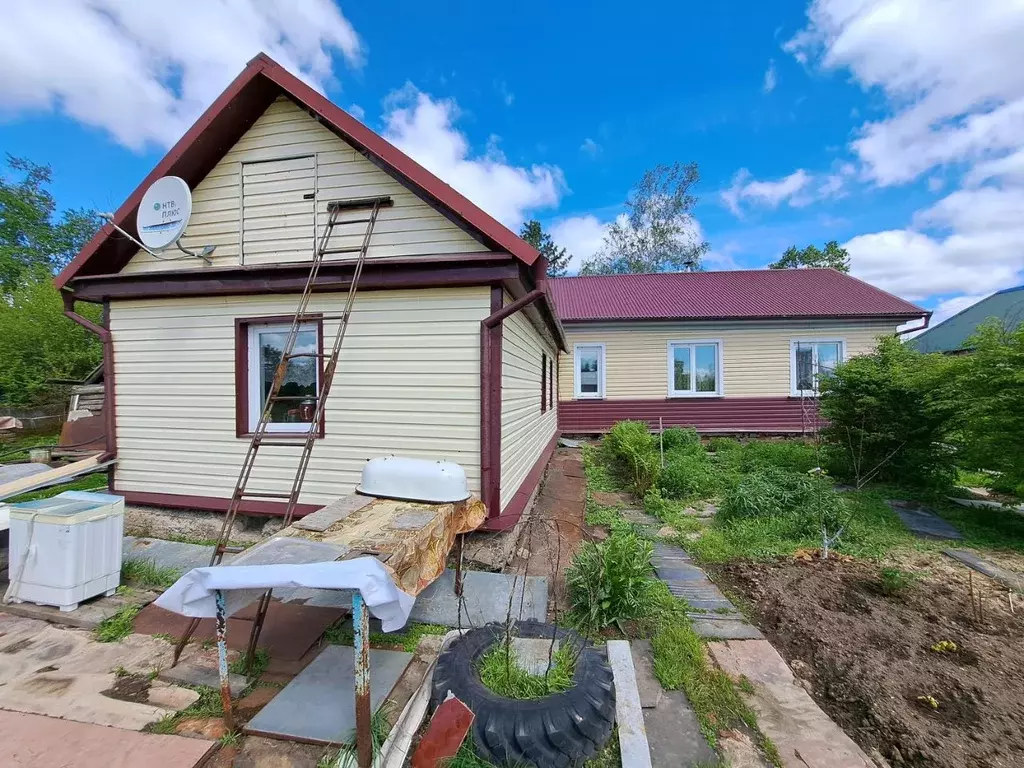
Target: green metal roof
column 951, row 334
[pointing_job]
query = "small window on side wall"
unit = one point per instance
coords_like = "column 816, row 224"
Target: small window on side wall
column 810, row 360
column 588, row 372
column 259, row 348
column 543, row 381
column 694, row 369
column 551, row 382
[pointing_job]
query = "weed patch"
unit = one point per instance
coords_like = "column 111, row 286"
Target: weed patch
column 118, row 626
column 341, row 634
column 147, row 574
column 610, row 581
column 502, row 675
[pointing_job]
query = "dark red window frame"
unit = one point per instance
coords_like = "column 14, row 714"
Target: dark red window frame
column 551, row 382
column 242, row 370
column 543, row 381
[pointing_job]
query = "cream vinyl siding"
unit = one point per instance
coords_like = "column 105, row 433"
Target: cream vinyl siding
column 755, row 354
column 525, row 431
column 408, row 383
column 280, row 226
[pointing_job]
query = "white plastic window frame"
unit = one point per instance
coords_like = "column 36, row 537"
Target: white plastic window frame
column 601, row 370
column 693, row 344
column 253, row 378
column 794, row 391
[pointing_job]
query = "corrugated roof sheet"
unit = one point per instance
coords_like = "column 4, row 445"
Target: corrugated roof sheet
column 951, row 334
column 762, row 293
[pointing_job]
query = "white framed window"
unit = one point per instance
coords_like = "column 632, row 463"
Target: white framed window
column 695, row 368
column 809, row 360
column 588, row 371
column 301, row 383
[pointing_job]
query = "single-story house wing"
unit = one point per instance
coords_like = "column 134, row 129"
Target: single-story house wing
column 952, row 334
column 450, row 353
column 727, row 352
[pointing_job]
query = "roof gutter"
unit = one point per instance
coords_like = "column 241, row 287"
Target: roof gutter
column 490, row 389
column 927, row 320
column 103, row 332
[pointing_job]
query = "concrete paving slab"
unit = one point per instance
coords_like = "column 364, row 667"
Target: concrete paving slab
column 193, row 673
column 319, row 704
column 532, row 654
column 629, row 716
column 643, row 664
column 1007, row 578
column 486, row 599
column 29, row 741
column 805, row 736
column 334, row 512
column 61, row 672
column 674, row 736
column 680, row 573
column 724, row 628
column 922, row 522
column 87, row 615
column 177, row 555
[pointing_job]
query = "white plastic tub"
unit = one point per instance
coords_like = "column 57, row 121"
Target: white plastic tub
column 397, row 477
column 66, row 549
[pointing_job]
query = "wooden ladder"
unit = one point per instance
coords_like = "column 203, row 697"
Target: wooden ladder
column 260, row 436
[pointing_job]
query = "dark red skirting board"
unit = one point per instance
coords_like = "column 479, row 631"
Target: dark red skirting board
column 764, row 415
column 213, row 503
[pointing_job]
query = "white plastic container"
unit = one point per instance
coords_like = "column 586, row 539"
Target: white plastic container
column 396, row 477
column 66, row 549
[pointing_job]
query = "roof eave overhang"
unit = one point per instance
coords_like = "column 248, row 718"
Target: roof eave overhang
column 902, row 317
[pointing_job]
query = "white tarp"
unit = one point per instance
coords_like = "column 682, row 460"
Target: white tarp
column 193, row 594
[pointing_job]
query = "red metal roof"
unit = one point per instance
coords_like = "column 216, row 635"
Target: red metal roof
column 761, row 293
column 231, row 115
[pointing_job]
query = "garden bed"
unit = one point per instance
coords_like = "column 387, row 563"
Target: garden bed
column 871, row 660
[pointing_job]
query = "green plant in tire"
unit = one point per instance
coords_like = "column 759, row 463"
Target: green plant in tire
column 610, row 582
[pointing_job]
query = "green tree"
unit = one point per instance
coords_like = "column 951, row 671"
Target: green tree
column 833, row 256
column 37, row 342
column 990, row 419
column 32, row 245
column 558, row 258
column 657, row 232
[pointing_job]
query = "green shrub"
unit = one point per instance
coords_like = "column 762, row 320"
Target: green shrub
column 724, row 444
column 893, row 581
column 794, row 455
column 610, row 581
column 655, row 504
column 809, row 502
column 888, row 417
column 688, row 477
column 682, row 439
column 631, row 450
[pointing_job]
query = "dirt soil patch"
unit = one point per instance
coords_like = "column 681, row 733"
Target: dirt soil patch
column 871, row 663
column 134, row 688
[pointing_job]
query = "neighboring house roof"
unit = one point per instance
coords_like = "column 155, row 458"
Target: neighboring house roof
column 233, row 113
column 735, row 294
column 951, row 334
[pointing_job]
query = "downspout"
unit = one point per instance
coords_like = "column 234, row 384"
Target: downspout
column 927, row 321
column 110, row 438
column 490, row 387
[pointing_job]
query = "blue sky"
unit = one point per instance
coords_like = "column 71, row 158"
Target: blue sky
column 893, row 126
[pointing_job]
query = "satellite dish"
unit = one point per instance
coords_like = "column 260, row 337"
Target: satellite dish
column 164, row 213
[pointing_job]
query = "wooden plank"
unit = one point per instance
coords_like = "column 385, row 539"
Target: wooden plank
column 628, row 714
column 51, row 477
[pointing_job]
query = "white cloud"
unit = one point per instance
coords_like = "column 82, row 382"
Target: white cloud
column 357, row 112
column 424, row 128
column 590, row 147
column 976, row 247
column 132, row 70
column 583, row 236
column 771, row 194
column 506, row 95
column 952, row 71
column 771, row 78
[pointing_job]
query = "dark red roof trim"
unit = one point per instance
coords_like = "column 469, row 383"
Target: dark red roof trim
column 233, row 113
column 739, row 294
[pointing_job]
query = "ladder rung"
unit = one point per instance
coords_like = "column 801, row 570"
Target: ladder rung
column 264, row 495
column 360, row 202
column 339, row 223
column 276, row 398
column 230, row 550
column 298, row 443
column 353, row 249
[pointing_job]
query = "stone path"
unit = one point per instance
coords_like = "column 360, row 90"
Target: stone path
column 29, row 741
column 805, row 736
column 711, row 612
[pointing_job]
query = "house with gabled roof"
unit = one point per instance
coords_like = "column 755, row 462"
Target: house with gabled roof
column 953, row 335
column 451, row 349
column 730, row 352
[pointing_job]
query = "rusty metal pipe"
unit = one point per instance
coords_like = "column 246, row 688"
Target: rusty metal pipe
column 364, row 734
column 222, row 660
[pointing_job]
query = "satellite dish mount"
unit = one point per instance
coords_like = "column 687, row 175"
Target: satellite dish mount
column 163, row 215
